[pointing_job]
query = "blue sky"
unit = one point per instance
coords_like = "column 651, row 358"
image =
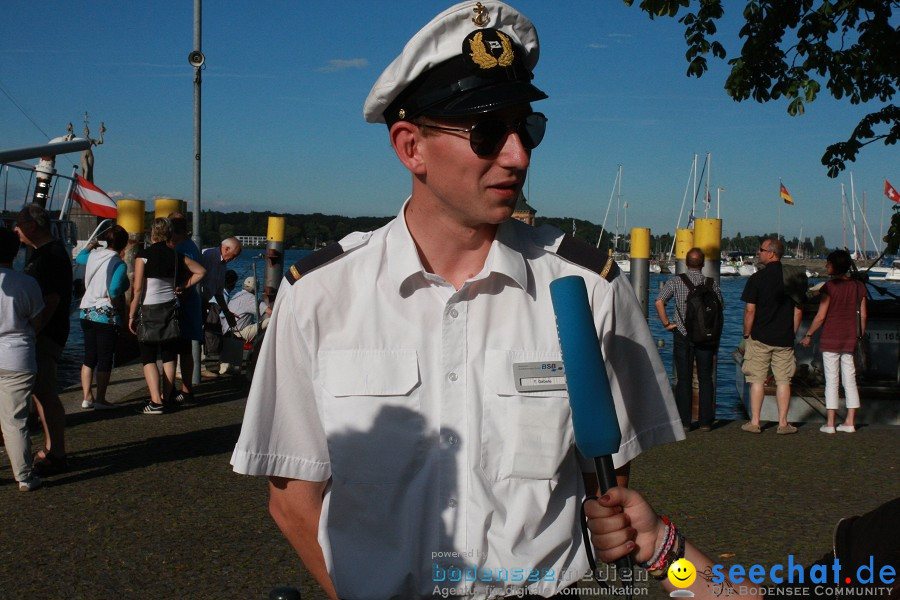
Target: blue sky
column 285, row 82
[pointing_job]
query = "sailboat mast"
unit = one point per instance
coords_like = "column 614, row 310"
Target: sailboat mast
column 844, row 216
column 694, row 202
column 618, row 205
column 866, row 225
column 853, row 218
column 708, row 176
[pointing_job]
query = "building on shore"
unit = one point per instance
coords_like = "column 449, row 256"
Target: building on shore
column 523, row 211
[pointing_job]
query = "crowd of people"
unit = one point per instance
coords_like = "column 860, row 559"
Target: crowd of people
column 36, row 305
column 772, row 298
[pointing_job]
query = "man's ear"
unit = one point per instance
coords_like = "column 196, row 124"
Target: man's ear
column 406, row 139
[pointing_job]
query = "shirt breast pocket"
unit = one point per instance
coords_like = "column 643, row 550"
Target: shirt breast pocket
column 371, row 414
column 524, row 435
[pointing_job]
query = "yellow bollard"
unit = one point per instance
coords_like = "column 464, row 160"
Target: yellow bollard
column 640, row 242
column 684, row 241
column 275, row 231
column 640, row 266
column 708, row 237
column 274, row 257
column 131, row 216
column 166, row 206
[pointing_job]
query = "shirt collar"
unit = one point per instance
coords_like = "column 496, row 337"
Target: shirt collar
column 505, row 256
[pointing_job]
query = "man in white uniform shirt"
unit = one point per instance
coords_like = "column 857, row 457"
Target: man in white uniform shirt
column 402, row 457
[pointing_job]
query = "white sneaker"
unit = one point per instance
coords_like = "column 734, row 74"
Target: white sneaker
column 846, row 428
column 87, row 404
column 826, row 429
column 30, row 484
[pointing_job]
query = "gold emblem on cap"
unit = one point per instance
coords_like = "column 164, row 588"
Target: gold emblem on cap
column 401, row 113
column 481, row 56
column 481, row 17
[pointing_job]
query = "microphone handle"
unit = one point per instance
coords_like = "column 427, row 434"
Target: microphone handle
column 606, row 477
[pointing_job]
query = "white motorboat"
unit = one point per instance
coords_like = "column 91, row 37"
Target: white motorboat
column 728, row 269
column 893, row 273
column 747, row 269
column 877, row 272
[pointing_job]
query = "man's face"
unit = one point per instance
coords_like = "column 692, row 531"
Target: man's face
column 25, row 228
column 229, row 252
column 474, row 190
column 765, row 255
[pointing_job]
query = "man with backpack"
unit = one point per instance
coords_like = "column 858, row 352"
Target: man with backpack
column 696, row 326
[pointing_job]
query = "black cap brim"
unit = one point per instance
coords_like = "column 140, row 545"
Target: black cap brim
column 486, row 99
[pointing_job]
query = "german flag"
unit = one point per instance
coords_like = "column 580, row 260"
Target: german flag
column 785, row 195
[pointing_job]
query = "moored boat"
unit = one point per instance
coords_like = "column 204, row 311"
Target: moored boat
column 893, row 273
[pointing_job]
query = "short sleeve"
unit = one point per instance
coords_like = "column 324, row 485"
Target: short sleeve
column 282, row 434
column 750, row 293
column 667, row 291
column 644, row 402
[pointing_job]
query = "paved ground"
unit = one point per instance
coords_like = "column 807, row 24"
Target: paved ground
column 151, row 509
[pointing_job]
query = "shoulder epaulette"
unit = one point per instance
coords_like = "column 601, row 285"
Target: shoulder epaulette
column 583, row 254
column 313, row 261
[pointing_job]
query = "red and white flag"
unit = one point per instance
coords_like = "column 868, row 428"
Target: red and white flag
column 890, row 192
column 93, row 199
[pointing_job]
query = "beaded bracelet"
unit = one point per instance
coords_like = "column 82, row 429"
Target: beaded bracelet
column 670, row 543
column 676, row 552
column 668, row 540
column 659, row 549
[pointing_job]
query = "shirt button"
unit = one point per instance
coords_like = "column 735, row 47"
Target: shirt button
column 452, row 503
column 452, row 377
column 454, row 313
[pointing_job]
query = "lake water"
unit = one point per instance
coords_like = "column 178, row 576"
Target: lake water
column 728, row 404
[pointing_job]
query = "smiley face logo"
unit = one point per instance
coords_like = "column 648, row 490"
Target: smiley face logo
column 682, row 573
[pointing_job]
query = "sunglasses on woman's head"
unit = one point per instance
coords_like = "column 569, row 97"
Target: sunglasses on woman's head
column 486, row 137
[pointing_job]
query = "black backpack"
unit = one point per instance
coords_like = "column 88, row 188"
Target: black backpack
column 703, row 319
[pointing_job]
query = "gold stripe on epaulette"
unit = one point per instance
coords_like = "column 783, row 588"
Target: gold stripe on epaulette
column 609, row 263
column 294, row 272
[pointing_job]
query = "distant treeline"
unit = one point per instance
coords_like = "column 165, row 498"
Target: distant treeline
column 316, row 229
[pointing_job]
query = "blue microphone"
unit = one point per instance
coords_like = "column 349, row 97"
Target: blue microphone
column 594, row 420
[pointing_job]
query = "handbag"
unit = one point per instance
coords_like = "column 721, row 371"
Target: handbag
column 158, row 323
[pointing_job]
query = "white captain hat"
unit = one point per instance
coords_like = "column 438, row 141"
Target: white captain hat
column 473, row 58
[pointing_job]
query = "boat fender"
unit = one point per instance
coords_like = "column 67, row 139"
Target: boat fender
column 325, row 255
column 587, row 256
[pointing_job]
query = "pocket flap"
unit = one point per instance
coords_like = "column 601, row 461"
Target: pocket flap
column 369, row 372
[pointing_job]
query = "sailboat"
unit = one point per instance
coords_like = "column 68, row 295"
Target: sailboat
column 693, row 187
column 621, row 260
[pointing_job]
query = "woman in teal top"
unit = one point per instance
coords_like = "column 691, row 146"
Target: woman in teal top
column 105, row 281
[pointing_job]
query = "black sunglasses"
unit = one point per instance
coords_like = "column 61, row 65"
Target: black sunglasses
column 486, row 137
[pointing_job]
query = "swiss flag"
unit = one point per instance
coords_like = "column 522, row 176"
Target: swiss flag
column 93, row 199
column 890, row 192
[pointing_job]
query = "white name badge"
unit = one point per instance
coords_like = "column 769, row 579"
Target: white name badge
column 539, row 376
